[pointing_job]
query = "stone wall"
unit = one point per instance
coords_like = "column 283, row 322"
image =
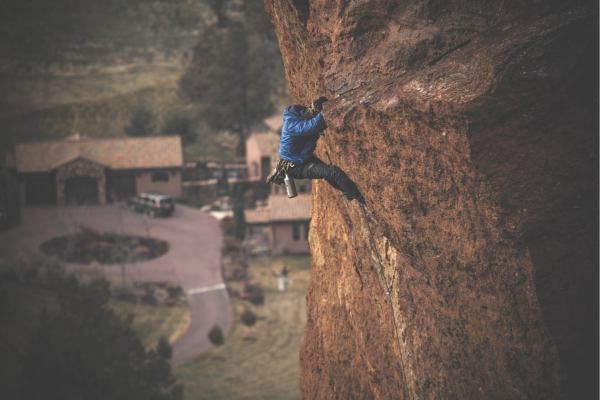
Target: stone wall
column 76, row 169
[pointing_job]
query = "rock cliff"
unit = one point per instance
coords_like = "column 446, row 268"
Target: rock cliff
column 475, row 142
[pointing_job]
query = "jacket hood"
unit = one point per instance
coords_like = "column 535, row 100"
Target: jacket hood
column 294, row 111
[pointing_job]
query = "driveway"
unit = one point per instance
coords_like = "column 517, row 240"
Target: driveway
column 193, row 259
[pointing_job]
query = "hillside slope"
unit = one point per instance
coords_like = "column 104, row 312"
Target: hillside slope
column 474, row 141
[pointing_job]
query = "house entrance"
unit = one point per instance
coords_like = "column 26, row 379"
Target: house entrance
column 81, row 190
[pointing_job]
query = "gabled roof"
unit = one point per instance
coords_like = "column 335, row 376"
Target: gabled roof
column 280, row 208
column 275, row 123
column 267, row 143
column 116, row 153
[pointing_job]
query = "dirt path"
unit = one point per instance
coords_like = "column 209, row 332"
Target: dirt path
column 193, row 259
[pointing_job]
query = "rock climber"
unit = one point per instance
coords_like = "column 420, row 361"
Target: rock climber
column 301, row 130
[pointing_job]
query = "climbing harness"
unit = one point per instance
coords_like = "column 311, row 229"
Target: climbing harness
column 388, row 291
column 280, row 175
column 277, row 176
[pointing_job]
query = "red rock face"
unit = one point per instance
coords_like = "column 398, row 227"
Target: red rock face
column 475, row 142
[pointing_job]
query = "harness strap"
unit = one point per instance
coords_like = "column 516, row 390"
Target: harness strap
column 277, row 176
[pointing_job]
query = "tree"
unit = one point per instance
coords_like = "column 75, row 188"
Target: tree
column 229, row 79
column 239, row 219
column 180, row 124
column 219, row 8
column 164, row 348
column 142, row 122
column 86, row 352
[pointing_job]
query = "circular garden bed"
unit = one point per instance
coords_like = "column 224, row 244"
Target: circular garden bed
column 107, row 248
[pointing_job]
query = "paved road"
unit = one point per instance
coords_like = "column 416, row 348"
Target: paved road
column 193, row 259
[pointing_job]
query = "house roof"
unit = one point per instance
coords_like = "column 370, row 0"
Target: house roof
column 116, row 153
column 267, row 143
column 281, row 208
column 275, row 122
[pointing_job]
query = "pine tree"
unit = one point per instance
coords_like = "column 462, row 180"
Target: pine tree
column 142, row 123
column 180, row 124
column 239, row 219
column 87, row 352
column 164, row 348
column 229, row 78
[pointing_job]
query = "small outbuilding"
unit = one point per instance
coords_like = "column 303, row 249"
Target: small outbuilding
column 79, row 170
column 262, row 152
column 281, row 226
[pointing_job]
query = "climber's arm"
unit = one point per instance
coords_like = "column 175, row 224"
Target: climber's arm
column 310, row 127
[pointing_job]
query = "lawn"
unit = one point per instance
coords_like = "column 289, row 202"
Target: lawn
column 93, row 104
column 97, row 104
column 259, row 362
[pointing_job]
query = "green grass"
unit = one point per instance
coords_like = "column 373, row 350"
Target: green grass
column 88, row 32
column 150, row 323
column 37, row 108
column 267, row 367
column 95, row 105
column 37, row 91
column 21, row 318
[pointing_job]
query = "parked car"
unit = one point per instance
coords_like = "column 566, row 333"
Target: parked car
column 152, row 204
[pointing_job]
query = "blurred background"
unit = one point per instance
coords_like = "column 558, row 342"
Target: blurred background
column 99, row 68
column 80, row 315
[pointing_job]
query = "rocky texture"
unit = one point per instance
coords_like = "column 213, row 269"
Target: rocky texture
column 80, row 168
column 475, row 142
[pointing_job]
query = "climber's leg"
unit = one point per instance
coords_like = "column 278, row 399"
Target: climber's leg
column 317, row 169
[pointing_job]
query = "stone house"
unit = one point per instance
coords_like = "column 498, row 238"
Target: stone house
column 281, row 226
column 80, row 170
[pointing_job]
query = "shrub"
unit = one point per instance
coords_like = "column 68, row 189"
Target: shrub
column 255, row 294
column 164, row 349
column 142, row 123
column 85, row 351
column 227, row 226
column 149, row 299
column 216, row 335
column 248, row 317
column 180, row 123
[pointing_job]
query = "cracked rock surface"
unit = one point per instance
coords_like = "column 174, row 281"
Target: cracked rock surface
column 475, row 143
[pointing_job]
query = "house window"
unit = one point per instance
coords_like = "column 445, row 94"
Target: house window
column 296, row 230
column 160, row 176
column 302, row 189
column 306, row 226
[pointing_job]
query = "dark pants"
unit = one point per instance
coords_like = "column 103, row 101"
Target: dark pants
column 317, row 169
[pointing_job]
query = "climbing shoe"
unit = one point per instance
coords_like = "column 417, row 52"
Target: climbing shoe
column 347, row 196
column 360, row 199
column 275, row 177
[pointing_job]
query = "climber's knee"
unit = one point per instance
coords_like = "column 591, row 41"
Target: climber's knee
column 335, row 172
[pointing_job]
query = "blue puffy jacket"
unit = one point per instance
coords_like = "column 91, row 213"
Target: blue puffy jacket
column 298, row 136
